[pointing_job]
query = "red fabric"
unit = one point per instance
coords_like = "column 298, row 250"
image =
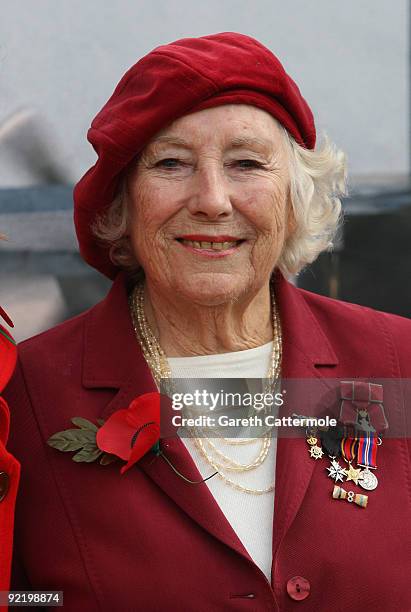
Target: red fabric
column 8, row 356
column 171, row 81
column 11, row 466
column 130, row 433
column 150, row 541
column 8, row 464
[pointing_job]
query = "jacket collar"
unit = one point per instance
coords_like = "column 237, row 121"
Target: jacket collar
column 113, row 359
column 301, row 331
column 110, row 346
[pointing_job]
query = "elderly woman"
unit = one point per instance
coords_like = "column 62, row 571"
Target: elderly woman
column 207, row 194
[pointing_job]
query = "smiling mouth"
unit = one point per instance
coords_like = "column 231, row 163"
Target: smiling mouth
column 208, row 245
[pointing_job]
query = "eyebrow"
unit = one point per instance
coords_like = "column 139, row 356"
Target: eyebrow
column 235, row 143
column 248, row 141
column 171, row 140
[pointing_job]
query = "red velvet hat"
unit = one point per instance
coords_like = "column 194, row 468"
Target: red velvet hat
column 171, row 81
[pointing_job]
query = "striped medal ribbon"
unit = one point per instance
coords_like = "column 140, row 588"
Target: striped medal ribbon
column 367, row 458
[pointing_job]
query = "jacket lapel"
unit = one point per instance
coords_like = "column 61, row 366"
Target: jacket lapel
column 305, row 349
column 113, row 358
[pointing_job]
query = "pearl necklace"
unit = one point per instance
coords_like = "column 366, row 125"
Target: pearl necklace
column 158, row 364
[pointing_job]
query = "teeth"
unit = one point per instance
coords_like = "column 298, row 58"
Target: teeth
column 214, row 246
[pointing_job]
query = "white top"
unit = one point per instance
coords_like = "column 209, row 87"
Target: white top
column 250, row 515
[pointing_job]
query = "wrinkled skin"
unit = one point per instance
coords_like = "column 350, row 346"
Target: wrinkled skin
column 210, row 185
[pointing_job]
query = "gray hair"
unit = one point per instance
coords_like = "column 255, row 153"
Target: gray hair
column 317, row 182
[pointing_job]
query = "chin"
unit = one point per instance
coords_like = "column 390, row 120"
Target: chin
column 212, row 289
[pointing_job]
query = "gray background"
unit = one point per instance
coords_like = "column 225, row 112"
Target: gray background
column 62, row 59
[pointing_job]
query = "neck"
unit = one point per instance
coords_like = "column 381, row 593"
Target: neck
column 185, row 329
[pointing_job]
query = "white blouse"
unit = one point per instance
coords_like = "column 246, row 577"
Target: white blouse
column 251, row 515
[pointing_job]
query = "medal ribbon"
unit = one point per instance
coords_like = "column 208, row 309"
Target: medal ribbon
column 367, row 450
column 348, row 447
column 362, row 396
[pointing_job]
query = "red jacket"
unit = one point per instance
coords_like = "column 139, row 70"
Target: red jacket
column 149, row 541
column 9, row 466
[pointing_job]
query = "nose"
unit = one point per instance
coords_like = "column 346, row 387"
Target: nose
column 210, row 198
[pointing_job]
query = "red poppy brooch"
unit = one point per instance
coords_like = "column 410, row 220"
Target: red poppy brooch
column 127, row 434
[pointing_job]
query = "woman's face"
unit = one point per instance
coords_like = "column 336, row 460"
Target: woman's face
column 209, row 204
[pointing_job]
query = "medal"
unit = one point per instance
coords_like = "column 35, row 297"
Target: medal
column 350, row 496
column 354, row 475
column 367, row 457
column 348, row 451
column 335, row 471
column 315, row 451
column 368, row 480
column 363, row 444
column 355, row 438
column 362, row 405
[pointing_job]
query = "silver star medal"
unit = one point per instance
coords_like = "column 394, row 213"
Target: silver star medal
column 335, row 471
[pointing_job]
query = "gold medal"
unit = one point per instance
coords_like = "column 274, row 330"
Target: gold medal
column 315, row 451
column 353, row 474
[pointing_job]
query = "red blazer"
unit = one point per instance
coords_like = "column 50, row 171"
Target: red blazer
column 9, row 466
column 148, row 540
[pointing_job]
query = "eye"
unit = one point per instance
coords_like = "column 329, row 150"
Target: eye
column 246, row 164
column 168, row 163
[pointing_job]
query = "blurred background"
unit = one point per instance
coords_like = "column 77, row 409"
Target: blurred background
column 60, row 61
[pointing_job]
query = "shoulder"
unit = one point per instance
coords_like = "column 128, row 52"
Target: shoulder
column 329, row 309
column 48, row 362
column 71, row 335
column 59, row 340
column 371, row 330
column 49, row 368
column 63, row 347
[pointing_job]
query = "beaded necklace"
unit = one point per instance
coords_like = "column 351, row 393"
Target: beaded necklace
column 159, row 367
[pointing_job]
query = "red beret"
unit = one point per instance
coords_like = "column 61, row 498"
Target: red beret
column 171, row 81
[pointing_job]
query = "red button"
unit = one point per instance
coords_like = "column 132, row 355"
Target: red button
column 298, row 588
column 4, row 485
